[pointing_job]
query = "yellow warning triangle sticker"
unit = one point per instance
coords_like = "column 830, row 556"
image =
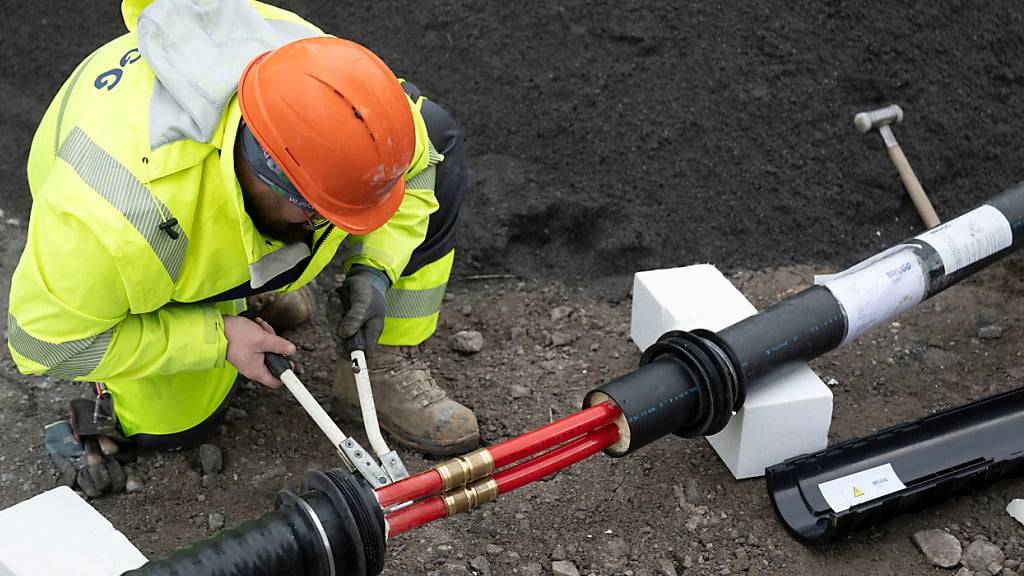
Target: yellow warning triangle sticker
column 857, row 493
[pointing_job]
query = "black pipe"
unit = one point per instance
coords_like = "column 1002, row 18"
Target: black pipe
column 817, row 321
column 333, row 527
column 800, row 328
column 720, row 369
column 964, row 448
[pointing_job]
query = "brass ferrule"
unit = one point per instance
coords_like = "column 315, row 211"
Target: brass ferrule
column 465, row 469
column 486, row 490
column 466, row 498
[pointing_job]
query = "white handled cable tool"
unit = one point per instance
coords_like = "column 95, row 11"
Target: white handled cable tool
column 355, row 457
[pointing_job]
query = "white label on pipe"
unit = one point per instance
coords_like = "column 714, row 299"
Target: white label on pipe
column 972, row 237
column 865, row 486
column 876, row 290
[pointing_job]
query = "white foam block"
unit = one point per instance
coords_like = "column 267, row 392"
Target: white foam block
column 57, row 532
column 790, row 411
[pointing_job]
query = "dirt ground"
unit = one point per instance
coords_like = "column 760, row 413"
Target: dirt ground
column 607, row 138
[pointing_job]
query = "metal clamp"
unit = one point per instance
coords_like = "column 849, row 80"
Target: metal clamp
column 363, row 463
column 393, row 465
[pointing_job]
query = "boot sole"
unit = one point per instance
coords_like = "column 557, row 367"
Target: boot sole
column 460, row 446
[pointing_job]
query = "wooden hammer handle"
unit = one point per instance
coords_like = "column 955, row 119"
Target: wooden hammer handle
column 910, row 182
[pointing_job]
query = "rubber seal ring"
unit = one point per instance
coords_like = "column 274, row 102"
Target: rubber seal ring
column 316, row 480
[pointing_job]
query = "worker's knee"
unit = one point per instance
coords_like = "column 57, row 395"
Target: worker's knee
column 186, row 438
column 451, row 182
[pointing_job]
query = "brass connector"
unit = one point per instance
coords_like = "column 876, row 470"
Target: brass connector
column 465, row 469
column 466, row 498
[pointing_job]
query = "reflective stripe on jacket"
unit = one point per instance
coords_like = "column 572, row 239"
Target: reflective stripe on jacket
column 128, row 244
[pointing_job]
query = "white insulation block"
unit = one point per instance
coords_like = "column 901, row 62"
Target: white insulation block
column 790, row 411
column 57, row 532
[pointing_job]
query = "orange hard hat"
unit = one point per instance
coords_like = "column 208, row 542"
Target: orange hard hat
column 336, row 121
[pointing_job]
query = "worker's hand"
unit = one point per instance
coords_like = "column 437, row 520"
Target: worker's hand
column 248, row 340
column 357, row 307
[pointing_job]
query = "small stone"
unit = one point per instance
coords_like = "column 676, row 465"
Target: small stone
column 211, row 459
column 1007, row 572
column 666, row 567
column 558, row 553
column 550, row 365
column 1011, row 564
column 963, row 572
column 269, row 476
column 493, row 549
column 519, row 391
column 235, row 414
column 983, row 557
column 444, row 549
column 132, row 484
column 560, row 313
column 564, row 568
column 1016, row 509
column 466, row 310
column 939, row 547
column 480, row 565
column 562, row 338
column 467, row 342
column 216, row 521
column 990, row 332
column 533, row 569
column 617, row 548
column 451, row 569
column 687, row 562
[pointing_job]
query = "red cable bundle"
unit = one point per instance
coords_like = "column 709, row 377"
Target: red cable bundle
column 593, row 424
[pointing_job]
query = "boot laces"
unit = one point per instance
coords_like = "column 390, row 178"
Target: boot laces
column 420, row 387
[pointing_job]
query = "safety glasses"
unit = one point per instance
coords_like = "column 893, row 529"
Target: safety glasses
column 267, row 170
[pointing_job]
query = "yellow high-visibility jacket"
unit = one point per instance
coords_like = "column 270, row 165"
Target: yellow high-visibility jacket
column 135, row 251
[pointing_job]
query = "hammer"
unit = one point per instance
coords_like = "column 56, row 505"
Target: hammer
column 881, row 119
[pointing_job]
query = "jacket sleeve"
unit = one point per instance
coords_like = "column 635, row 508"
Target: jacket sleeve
column 69, row 313
column 389, row 247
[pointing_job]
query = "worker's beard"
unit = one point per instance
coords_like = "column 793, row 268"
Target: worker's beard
column 270, row 224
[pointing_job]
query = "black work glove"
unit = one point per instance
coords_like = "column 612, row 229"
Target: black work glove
column 81, row 461
column 356, row 309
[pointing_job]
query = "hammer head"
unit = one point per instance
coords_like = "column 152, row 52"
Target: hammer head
column 867, row 120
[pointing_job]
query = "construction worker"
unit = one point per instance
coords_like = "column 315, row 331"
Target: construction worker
column 215, row 154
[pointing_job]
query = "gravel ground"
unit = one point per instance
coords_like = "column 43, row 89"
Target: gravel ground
column 608, row 137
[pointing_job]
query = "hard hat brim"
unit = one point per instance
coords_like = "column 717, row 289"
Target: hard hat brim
column 366, row 220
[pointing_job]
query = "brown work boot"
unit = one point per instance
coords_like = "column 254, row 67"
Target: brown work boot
column 412, row 408
column 283, row 310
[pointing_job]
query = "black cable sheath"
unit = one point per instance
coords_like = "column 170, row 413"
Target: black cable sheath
column 334, row 527
column 799, row 328
column 271, row 545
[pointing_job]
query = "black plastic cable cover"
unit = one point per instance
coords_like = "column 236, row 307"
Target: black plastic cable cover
column 963, row 448
column 802, row 327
